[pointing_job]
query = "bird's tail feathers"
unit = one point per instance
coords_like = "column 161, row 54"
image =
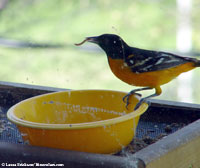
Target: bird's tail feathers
column 197, row 63
column 194, row 60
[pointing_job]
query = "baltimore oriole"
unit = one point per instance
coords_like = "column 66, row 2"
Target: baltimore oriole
column 139, row 67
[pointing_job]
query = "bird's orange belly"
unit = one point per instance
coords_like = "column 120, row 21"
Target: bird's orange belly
column 151, row 79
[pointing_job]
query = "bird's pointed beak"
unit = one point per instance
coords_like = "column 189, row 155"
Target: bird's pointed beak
column 92, row 39
column 89, row 39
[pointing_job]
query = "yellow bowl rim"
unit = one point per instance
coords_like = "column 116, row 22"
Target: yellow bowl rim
column 102, row 123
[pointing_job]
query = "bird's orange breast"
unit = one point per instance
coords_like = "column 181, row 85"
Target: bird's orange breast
column 150, row 79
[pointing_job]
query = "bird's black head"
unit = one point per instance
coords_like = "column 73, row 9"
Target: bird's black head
column 112, row 44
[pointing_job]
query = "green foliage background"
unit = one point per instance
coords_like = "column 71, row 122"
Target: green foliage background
column 149, row 24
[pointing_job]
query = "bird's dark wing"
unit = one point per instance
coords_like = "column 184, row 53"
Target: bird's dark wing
column 146, row 61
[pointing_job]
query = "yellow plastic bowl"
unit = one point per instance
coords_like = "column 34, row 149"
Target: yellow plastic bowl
column 83, row 120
